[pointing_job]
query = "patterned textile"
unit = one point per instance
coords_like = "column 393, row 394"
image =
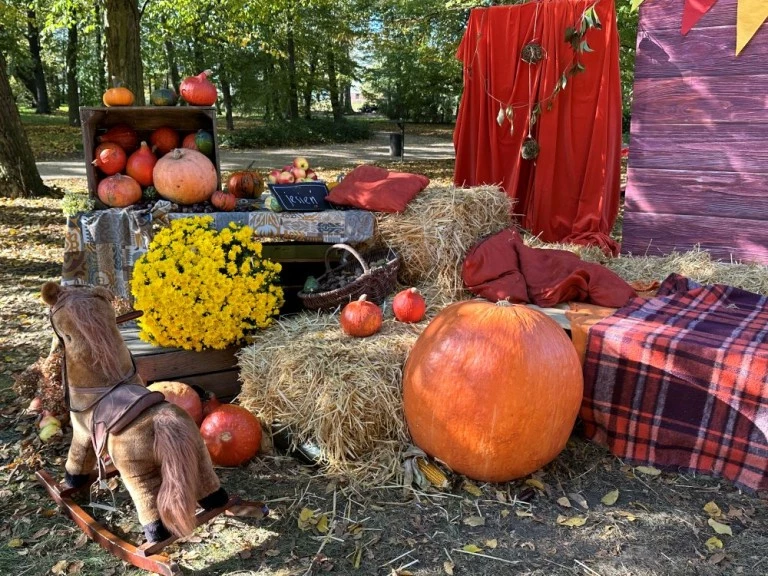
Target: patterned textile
column 101, row 247
column 680, row 381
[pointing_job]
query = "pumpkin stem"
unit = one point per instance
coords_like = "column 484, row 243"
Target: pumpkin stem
column 503, row 303
column 363, row 298
column 413, row 290
column 206, row 73
column 176, row 154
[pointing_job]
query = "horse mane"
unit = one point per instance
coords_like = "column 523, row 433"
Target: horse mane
column 97, row 332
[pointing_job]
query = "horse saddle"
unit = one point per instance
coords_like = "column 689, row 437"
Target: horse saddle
column 117, row 409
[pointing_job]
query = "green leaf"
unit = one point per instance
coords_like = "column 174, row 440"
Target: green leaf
column 584, row 47
column 610, row 498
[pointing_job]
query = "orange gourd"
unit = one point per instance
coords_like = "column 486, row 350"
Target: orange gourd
column 118, row 96
column 361, row 318
column 492, row 390
column 224, row 201
column 231, row 434
column 183, row 396
column 109, row 158
column 119, row 191
column 141, row 164
column 189, row 142
column 123, row 135
column 409, row 306
column 185, row 177
column 164, row 139
column 198, row 90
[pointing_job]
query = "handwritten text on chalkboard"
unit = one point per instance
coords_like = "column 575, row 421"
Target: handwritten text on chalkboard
column 301, row 197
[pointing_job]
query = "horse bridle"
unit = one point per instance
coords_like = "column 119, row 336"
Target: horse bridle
column 99, row 391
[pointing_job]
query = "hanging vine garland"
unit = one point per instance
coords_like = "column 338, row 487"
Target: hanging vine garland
column 532, row 53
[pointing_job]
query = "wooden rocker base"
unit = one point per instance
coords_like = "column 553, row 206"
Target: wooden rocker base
column 146, row 556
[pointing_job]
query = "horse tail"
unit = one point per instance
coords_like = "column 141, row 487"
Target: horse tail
column 177, row 445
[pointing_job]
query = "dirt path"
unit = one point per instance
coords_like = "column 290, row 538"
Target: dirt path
column 373, row 150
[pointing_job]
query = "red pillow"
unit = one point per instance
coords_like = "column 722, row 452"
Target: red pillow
column 377, row 189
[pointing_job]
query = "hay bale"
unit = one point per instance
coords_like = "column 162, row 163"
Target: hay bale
column 436, row 230
column 342, row 393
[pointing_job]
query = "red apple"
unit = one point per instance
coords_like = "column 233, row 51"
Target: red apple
column 311, row 174
column 273, row 176
column 287, row 168
column 300, row 162
column 299, row 173
column 285, row 178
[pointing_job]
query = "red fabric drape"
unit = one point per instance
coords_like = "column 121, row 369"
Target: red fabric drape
column 570, row 192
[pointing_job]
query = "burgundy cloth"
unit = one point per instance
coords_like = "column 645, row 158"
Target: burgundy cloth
column 377, row 189
column 502, row 267
column 570, row 193
column 680, row 381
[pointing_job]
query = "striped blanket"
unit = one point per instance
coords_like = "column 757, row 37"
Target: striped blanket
column 680, row 381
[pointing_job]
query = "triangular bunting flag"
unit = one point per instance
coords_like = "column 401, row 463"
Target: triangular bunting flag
column 692, row 13
column 750, row 15
column 635, row 5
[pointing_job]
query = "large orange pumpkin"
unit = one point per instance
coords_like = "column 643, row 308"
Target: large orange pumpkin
column 492, row 390
column 185, row 176
column 183, row 395
column 232, row 435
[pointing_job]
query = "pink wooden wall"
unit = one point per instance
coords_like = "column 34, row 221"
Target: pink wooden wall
column 698, row 159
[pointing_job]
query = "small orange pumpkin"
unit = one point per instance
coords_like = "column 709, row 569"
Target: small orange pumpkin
column 409, row 306
column 224, row 201
column 185, row 177
column 232, row 435
column 164, row 139
column 117, row 96
column 246, row 183
column 110, row 158
column 492, row 390
column 361, row 318
column 183, row 396
column 119, row 191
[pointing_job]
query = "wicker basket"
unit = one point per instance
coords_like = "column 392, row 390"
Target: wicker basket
column 376, row 283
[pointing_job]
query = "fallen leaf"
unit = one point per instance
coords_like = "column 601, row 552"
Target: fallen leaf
column 563, row 501
column 322, row 524
column 305, row 518
column 40, row 533
column 448, row 567
column 501, row 496
column 648, row 470
column 471, row 488
column 571, row 522
column 713, row 510
column 491, row 543
column 474, row 521
column 535, row 483
column 716, row 558
column 628, row 515
column 714, row 543
column 75, row 567
column 719, row 527
column 60, row 568
column 81, row 540
column 523, row 513
column 504, row 513
column 273, row 552
column 15, row 543
column 580, row 501
column 610, row 498
column 472, row 549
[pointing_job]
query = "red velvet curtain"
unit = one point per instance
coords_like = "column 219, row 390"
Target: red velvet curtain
column 570, row 192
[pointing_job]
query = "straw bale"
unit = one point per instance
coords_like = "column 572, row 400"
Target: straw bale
column 438, row 228
column 340, row 392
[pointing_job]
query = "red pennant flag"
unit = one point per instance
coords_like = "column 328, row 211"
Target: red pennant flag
column 692, row 13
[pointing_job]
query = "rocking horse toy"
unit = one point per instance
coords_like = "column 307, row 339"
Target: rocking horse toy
column 153, row 445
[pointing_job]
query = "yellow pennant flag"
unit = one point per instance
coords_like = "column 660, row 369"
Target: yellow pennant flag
column 750, row 15
column 635, row 4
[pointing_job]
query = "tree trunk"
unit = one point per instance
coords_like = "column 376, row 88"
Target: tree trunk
column 227, row 93
column 348, row 99
column 73, row 94
column 123, row 45
column 309, row 87
column 19, row 177
column 293, row 89
column 41, row 90
column 100, row 71
column 26, row 77
column 333, row 85
column 173, row 66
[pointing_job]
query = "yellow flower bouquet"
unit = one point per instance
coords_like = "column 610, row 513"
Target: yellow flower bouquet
column 203, row 288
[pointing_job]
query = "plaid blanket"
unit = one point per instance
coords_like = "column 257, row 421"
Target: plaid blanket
column 680, row 381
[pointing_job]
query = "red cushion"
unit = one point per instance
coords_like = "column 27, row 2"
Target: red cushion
column 377, row 189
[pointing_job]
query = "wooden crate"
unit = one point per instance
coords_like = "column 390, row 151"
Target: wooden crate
column 144, row 119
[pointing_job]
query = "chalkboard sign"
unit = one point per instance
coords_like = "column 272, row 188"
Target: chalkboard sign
column 301, row 197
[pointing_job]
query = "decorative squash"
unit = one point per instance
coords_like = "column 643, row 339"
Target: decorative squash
column 141, row 164
column 232, row 435
column 163, row 97
column 185, row 177
column 246, row 183
column 183, row 396
column 117, row 96
column 492, row 390
column 150, row 192
column 204, row 142
column 189, row 142
column 164, row 139
column 123, row 135
column 119, row 191
column 109, row 158
column 198, row 90
column 272, row 204
column 361, row 318
column 409, row 306
column 224, row 201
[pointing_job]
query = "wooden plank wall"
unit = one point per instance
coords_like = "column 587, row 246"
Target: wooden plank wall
column 698, row 157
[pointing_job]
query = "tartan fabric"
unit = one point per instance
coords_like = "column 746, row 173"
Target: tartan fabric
column 680, row 382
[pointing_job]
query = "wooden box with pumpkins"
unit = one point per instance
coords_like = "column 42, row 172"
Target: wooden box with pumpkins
column 141, row 153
